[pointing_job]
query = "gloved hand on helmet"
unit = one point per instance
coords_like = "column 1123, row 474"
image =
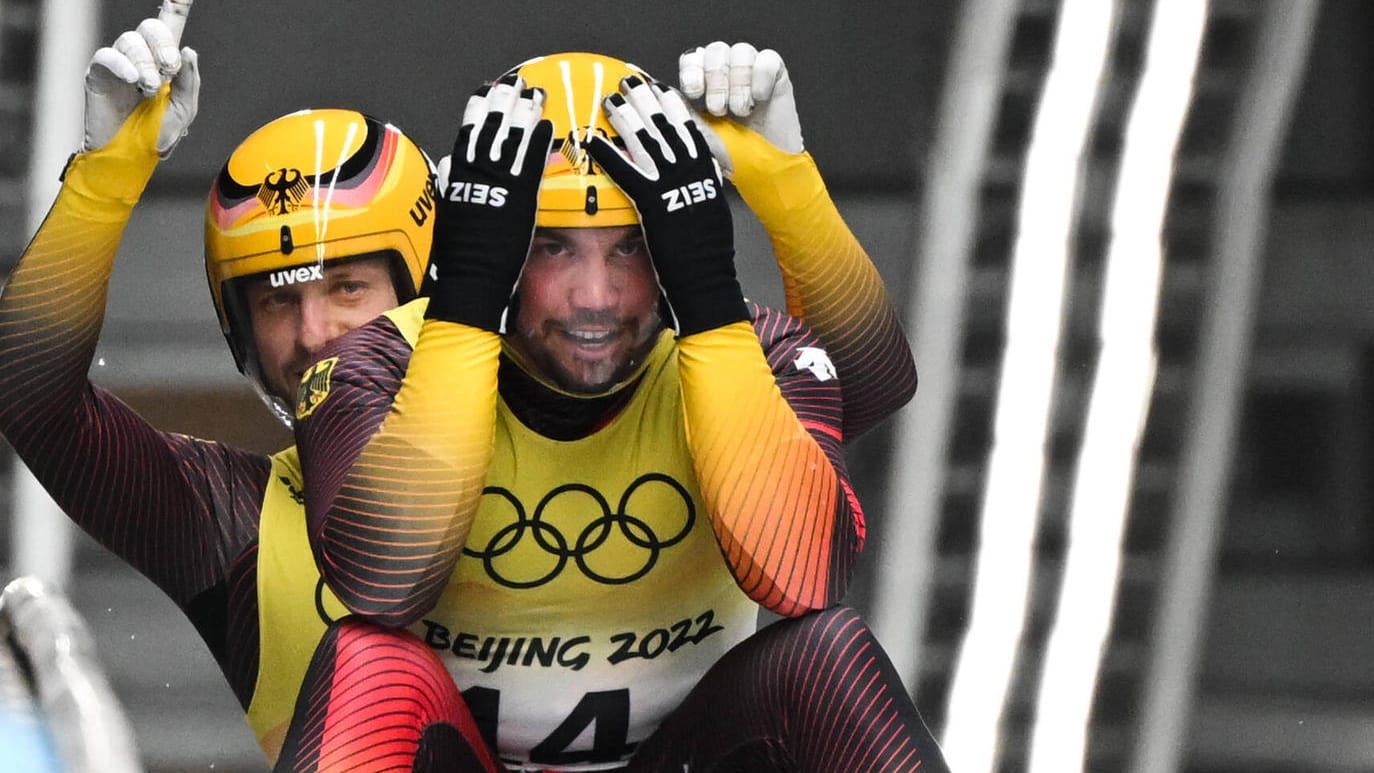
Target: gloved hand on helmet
column 675, row 185
column 135, row 68
column 488, row 198
column 740, row 85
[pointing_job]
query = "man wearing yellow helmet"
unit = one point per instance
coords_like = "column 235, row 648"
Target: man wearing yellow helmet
column 292, row 262
column 580, row 467
column 318, row 222
column 309, row 197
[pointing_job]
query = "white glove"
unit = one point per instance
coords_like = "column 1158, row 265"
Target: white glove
column 749, row 85
column 121, row 76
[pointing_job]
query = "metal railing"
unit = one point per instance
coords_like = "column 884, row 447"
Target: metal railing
column 54, row 697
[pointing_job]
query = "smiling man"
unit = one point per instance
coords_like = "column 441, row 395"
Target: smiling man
column 579, row 469
column 589, row 314
column 221, row 530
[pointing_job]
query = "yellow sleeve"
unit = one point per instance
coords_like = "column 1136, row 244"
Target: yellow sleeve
column 771, row 491
column 58, row 289
column 829, row 279
column 392, row 485
column 442, row 424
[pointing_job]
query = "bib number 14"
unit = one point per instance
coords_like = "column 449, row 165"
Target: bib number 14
column 606, row 712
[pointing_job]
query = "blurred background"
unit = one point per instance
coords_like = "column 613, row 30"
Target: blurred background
column 1126, row 524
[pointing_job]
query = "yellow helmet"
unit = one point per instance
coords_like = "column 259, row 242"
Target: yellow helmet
column 575, row 193
column 308, row 188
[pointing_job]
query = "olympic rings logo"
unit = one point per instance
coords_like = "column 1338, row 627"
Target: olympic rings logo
column 618, row 531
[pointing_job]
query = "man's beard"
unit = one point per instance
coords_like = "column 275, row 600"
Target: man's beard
column 597, row 378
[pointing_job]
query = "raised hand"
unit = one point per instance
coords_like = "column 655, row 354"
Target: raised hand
column 487, row 203
column 675, row 185
column 121, row 76
column 742, row 83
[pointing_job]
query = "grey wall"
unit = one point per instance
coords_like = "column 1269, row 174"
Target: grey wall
column 864, row 70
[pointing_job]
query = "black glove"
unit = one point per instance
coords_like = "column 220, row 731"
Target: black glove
column 676, row 188
column 485, row 214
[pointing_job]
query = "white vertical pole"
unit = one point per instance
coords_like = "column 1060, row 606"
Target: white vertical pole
column 935, row 315
column 1223, row 360
column 42, row 544
column 1122, row 383
column 1010, row 509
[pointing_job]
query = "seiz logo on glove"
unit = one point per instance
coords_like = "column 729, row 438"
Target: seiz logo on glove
column 477, row 193
column 674, row 184
column 485, row 214
column 692, row 193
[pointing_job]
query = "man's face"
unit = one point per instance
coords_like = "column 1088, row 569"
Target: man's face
column 293, row 322
column 588, row 306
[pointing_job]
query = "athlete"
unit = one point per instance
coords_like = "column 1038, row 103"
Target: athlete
column 581, row 465
column 317, row 223
column 189, row 513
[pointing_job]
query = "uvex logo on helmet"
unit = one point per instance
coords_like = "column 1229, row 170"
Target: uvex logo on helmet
column 298, row 275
